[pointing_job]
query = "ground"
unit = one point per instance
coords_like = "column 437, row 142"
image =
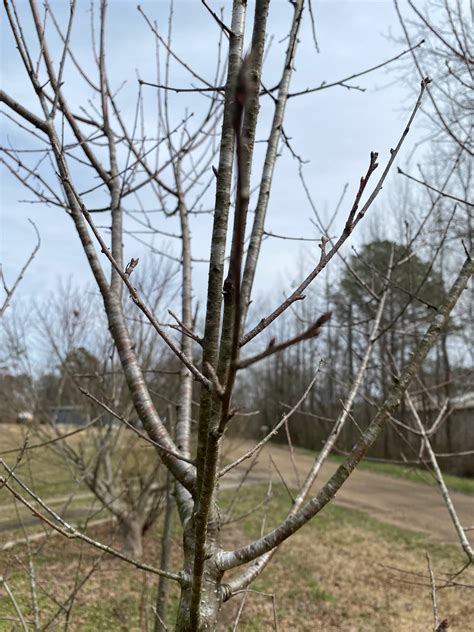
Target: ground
column 349, row 570
column 413, row 503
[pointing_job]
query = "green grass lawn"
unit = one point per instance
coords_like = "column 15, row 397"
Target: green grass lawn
column 415, row 474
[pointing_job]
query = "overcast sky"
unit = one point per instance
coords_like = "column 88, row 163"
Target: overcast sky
column 334, row 130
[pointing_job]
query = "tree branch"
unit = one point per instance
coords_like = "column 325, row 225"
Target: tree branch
column 268, row 542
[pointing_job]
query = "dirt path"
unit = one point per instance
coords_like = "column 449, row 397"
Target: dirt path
column 406, row 504
column 32, row 521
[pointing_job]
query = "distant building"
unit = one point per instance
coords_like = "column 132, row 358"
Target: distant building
column 458, row 402
column 453, row 441
column 462, row 402
column 76, row 416
column 69, row 415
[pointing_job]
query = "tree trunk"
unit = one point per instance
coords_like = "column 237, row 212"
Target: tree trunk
column 211, row 602
column 132, row 536
column 211, row 595
column 165, row 558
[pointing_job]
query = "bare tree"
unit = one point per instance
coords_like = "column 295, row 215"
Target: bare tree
column 9, row 291
column 176, row 168
column 81, row 376
column 446, row 57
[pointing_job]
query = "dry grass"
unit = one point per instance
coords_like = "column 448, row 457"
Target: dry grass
column 335, row 575
column 48, row 474
column 338, row 575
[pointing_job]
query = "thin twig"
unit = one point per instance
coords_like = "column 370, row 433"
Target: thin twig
column 274, row 431
column 10, row 291
column 433, row 593
column 85, row 392
column 70, row 531
column 14, row 602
